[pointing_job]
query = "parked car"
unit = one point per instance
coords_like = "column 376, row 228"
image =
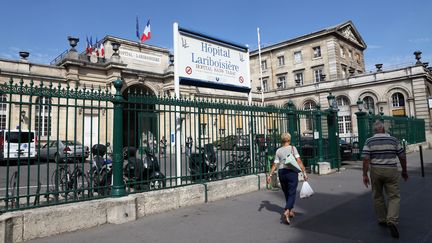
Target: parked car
column 345, row 150
column 308, row 148
column 233, row 142
column 17, row 143
column 66, row 149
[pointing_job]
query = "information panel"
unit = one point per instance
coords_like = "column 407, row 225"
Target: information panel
column 208, row 62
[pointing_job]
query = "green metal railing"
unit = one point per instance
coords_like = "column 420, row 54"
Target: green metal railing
column 410, row 129
column 70, row 132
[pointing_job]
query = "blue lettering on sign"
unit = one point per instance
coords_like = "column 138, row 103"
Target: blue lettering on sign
column 219, row 63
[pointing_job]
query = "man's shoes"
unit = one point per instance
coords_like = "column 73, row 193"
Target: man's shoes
column 394, row 232
column 382, row 223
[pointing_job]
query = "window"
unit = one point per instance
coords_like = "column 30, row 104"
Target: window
column 357, row 58
column 342, row 52
column 281, row 82
column 398, row 100
column 297, row 57
column 309, row 105
column 345, row 125
column 318, row 75
column 344, row 71
column 369, row 104
column 350, row 55
column 317, row 51
column 43, row 116
column 265, row 85
column 264, row 65
column 3, row 112
column 342, row 101
column 298, row 78
column 281, row 60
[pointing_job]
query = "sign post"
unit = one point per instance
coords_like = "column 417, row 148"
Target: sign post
column 204, row 61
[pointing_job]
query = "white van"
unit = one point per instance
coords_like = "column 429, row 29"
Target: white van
column 17, row 143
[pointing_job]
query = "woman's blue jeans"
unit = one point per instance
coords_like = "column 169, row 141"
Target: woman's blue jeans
column 289, row 181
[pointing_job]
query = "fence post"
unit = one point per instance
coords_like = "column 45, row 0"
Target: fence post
column 361, row 127
column 333, row 137
column 118, row 188
column 291, row 123
column 319, row 130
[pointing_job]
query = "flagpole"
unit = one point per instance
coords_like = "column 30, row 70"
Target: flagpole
column 177, row 96
column 262, row 87
column 260, row 65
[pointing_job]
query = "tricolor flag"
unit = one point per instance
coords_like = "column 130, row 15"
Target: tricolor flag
column 96, row 47
column 102, row 49
column 146, row 35
column 137, row 29
column 88, row 47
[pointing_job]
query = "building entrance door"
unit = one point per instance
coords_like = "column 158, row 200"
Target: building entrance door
column 91, row 130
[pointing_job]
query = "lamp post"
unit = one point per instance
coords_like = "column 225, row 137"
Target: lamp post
column 361, row 124
column 319, row 130
column 333, row 127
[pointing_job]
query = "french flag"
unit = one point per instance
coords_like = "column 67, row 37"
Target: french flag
column 102, row 49
column 146, row 35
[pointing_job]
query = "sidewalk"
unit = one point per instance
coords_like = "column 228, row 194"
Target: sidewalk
column 340, row 211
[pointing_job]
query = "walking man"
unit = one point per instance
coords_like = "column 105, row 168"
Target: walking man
column 163, row 144
column 381, row 152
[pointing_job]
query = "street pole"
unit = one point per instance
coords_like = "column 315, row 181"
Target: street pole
column 177, row 96
column 319, row 130
column 118, row 187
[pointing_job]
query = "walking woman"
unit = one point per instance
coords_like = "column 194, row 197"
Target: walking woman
column 288, row 178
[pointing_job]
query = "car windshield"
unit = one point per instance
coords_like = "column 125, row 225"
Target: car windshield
column 23, row 137
column 68, row 142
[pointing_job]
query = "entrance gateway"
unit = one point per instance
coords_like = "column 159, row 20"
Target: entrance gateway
column 206, row 61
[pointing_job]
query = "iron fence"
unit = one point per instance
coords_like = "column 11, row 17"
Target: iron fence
column 55, row 141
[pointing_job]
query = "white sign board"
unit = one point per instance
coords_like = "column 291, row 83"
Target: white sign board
column 207, row 62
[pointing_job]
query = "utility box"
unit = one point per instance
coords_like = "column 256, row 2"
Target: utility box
column 324, row 168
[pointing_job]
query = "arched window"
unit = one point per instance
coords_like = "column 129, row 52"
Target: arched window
column 369, row 104
column 344, row 116
column 398, row 100
column 43, row 116
column 308, row 106
column 3, row 112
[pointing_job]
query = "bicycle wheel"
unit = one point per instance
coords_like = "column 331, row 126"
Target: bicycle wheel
column 79, row 185
column 59, row 181
column 105, row 182
column 229, row 169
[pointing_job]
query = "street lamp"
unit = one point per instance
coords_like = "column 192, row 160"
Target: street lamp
column 332, row 102
column 360, row 104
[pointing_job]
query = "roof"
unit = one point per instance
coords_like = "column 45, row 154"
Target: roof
column 345, row 30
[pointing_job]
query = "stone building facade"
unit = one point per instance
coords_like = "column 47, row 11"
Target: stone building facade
column 304, row 70
column 307, row 68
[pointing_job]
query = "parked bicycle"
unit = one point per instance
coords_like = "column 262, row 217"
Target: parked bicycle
column 241, row 165
column 99, row 176
column 67, row 181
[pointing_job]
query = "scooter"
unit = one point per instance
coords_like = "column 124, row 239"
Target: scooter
column 100, row 173
column 142, row 174
column 203, row 164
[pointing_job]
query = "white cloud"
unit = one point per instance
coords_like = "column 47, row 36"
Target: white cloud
column 420, row 40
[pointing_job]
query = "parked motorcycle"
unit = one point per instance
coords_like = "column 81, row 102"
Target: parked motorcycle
column 203, row 163
column 142, row 174
column 100, row 173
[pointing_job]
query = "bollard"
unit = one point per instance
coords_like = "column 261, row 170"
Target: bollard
column 421, row 160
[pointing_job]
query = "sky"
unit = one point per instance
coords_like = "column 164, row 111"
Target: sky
column 393, row 30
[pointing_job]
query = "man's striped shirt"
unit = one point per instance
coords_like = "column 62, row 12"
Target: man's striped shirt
column 383, row 150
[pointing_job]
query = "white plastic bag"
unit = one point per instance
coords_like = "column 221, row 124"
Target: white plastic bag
column 306, row 190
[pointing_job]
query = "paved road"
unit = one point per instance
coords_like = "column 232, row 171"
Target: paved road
column 340, row 211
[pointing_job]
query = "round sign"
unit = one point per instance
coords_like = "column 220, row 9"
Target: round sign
column 188, row 70
column 241, row 79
